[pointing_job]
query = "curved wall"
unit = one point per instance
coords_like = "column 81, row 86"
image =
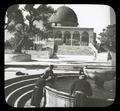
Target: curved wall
column 57, row 98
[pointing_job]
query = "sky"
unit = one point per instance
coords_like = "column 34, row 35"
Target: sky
column 89, row 16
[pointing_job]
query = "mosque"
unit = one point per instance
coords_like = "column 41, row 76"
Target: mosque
column 64, row 23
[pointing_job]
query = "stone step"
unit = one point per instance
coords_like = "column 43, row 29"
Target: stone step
column 75, row 50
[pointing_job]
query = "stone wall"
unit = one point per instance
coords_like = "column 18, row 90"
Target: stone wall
column 39, row 54
column 17, row 57
column 56, row 98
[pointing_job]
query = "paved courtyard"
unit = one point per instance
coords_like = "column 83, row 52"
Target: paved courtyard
column 62, row 60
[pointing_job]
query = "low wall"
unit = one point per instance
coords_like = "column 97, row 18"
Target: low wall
column 17, row 57
column 38, row 54
column 56, row 98
column 41, row 54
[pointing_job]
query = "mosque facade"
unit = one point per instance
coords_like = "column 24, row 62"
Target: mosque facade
column 64, row 23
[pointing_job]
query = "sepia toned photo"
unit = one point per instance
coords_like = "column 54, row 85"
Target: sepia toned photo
column 59, row 55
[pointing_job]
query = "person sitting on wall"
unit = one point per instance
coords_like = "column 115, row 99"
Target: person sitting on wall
column 81, row 71
column 38, row 92
column 80, row 89
column 49, row 73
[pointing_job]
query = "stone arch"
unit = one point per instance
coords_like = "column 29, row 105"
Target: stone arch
column 76, row 38
column 76, row 35
column 85, row 38
column 58, row 34
column 67, row 37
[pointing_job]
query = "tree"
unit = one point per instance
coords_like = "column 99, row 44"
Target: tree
column 21, row 38
column 23, row 32
column 108, row 37
column 14, row 16
column 7, row 45
column 14, row 23
column 31, row 18
column 42, row 13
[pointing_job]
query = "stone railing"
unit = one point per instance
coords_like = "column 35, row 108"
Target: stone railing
column 93, row 48
column 58, row 98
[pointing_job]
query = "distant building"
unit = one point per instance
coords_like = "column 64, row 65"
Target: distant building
column 64, row 23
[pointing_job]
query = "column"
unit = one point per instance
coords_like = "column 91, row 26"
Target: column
column 62, row 39
column 90, row 37
column 71, row 38
column 54, row 36
column 80, row 40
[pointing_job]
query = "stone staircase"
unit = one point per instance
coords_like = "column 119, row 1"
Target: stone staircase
column 74, row 50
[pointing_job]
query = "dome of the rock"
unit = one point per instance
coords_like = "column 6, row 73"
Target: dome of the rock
column 64, row 16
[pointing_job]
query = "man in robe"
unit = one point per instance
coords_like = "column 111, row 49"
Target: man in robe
column 38, row 91
column 80, row 89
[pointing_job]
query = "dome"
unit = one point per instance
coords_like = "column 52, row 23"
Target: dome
column 64, row 16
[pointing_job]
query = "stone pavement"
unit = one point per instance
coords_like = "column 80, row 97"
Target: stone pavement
column 62, row 60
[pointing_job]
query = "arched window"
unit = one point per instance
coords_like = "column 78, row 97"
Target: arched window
column 67, row 37
column 76, row 35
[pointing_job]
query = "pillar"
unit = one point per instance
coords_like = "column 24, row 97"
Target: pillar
column 71, row 38
column 62, row 39
column 80, row 40
column 90, row 36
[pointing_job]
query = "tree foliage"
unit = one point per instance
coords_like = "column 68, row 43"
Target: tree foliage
column 14, row 16
column 21, row 34
column 42, row 13
column 16, row 23
column 108, row 37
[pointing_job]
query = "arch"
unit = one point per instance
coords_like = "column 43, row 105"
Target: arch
column 76, row 35
column 67, row 37
column 58, row 34
column 85, row 37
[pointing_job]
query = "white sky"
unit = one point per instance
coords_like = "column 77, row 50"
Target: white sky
column 89, row 16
